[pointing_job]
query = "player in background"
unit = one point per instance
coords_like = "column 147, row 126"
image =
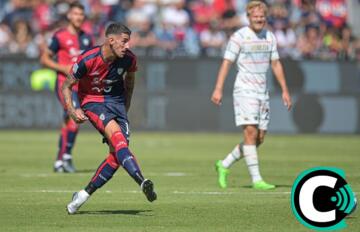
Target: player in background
column 65, row 46
column 253, row 48
column 106, row 76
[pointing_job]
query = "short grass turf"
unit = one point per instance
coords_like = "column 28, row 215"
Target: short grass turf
column 33, row 198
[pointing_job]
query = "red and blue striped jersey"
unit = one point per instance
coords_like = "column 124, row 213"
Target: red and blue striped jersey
column 101, row 81
column 67, row 47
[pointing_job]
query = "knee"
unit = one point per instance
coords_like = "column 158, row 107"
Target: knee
column 72, row 125
column 112, row 161
column 118, row 141
column 250, row 135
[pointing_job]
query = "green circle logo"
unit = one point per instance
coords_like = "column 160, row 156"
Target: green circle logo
column 321, row 198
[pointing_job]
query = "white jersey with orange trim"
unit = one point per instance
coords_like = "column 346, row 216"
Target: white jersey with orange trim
column 253, row 53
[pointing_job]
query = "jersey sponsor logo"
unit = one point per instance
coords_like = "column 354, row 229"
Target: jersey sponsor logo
column 96, row 82
column 69, row 42
column 102, row 89
column 257, row 47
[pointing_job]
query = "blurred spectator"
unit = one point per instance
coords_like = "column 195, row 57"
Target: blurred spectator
column 42, row 19
column 19, row 10
column 212, row 40
column 23, row 40
column 230, row 20
column 166, row 40
column 306, row 29
column 178, row 19
column 187, row 42
column 144, row 39
column 333, row 12
column 140, row 12
column 5, row 38
column 175, row 14
column 204, row 13
column 348, row 44
column 309, row 44
column 223, row 6
column 305, row 14
column 118, row 11
column 286, row 39
column 278, row 15
column 331, row 44
column 279, row 20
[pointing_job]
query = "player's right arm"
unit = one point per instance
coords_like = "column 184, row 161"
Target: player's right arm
column 219, row 86
column 231, row 53
column 47, row 55
column 78, row 71
column 76, row 114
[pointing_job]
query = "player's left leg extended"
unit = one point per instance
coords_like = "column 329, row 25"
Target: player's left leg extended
column 127, row 160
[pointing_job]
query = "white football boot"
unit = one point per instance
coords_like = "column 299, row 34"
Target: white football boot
column 78, row 199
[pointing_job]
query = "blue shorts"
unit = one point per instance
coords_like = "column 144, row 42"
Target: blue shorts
column 100, row 114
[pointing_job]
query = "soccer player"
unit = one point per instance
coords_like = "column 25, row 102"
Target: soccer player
column 66, row 45
column 253, row 48
column 106, row 76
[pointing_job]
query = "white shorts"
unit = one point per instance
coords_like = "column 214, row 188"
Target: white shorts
column 251, row 111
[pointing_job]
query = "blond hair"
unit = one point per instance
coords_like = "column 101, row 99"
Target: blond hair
column 255, row 4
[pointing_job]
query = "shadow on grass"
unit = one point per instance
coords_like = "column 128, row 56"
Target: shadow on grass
column 110, row 212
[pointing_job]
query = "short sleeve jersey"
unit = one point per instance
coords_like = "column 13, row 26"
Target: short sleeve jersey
column 67, row 46
column 101, row 81
column 253, row 53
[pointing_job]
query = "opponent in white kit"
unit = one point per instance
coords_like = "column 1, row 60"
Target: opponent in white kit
column 253, row 48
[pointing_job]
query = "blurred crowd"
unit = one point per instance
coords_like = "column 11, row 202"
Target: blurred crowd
column 305, row 29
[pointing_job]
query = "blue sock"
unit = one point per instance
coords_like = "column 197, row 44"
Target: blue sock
column 128, row 162
column 104, row 172
column 71, row 136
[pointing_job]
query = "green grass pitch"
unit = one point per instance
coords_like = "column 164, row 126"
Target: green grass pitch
column 33, row 198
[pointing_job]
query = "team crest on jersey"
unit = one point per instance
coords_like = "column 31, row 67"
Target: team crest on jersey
column 102, row 117
column 120, row 70
column 86, row 41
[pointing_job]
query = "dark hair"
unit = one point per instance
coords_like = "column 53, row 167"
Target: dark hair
column 76, row 5
column 117, row 29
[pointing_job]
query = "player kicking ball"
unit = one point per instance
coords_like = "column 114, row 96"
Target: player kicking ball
column 253, row 48
column 106, row 76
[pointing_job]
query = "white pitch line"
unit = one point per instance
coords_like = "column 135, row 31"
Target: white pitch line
column 44, row 175
column 230, row 193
